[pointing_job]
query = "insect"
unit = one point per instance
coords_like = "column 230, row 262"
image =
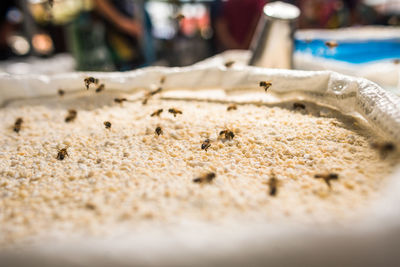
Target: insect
column 100, row 88
column 206, row 144
column 17, row 125
column 72, row 113
column 228, row 134
column 231, row 107
column 297, row 105
column 158, row 90
column 162, row 79
column 174, row 111
column 144, row 102
column 157, row 112
column 384, row 148
column 266, row 85
column 62, row 153
column 120, row 100
column 273, row 185
column 159, row 131
column 90, row 80
column 179, row 17
column 327, row 177
column 107, row 124
column 331, row 44
column 396, row 61
column 61, row 92
column 207, row 178
column 229, row 63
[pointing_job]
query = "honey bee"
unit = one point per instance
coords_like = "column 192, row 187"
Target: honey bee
column 61, row 92
column 144, row 102
column 159, row 131
column 327, row 177
column 120, row 100
column 174, row 111
column 72, row 113
column 157, row 112
column 90, row 80
column 179, row 17
column 396, row 61
column 231, row 107
column 298, row 105
column 384, row 148
column 158, row 90
column 331, row 44
column 207, row 178
column 100, row 88
column 273, row 185
column 229, row 63
column 228, row 134
column 162, row 79
column 107, row 124
column 62, row 153
column 206, row 144
column 266, row 85
column 17, row 125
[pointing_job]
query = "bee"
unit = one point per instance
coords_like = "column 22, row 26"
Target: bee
column 179, row 17
column 144, row 102
column 228, row 134
column 62, row 153
column 159, row 131
column 158, row 90
column 384, row 148
column 120, row 100
column 231, row 107
column 206, row 144
column 17, row 125
column 157, row 112
column 61, row 92
column 162, row 79
column 331, row 44
column 174, row 111
column 273, row 185
column 266, row 85
column 100, row 88
column 297, row 105
column 107, row 124
column 396, row 61
column 72, row 113
column 327, row 177
column 229, row 63
column 90, row 80
column 207, row 178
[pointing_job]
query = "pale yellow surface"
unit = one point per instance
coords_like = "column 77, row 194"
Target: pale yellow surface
column 128, row 175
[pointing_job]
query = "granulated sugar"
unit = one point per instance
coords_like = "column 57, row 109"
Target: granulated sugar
column 129, row 175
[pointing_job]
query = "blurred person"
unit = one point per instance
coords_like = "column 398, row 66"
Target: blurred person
column 236, row 22
column 125, row 32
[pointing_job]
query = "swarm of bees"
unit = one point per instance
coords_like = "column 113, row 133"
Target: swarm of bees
column 273, row 185
column 100, row 88
column 297, row 105
column 229, row 63
column 227, row 134
column 327, row 177
column 61, row 92
column 207, row 178
column 331, row 44
column 107, row 124
column 71, row 116
column 266, row 85
column 174, row 111
column 62, row 153
column 231, row 107
column 90, row 80
column 384, row 148
column 120, row 100
column 17, row 125
column 206, row 144
column 157, row 112
column 158, row 131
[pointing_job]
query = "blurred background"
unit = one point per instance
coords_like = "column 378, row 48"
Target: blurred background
column 38, row 36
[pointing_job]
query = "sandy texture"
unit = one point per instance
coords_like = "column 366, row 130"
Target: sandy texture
column 128, row 175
